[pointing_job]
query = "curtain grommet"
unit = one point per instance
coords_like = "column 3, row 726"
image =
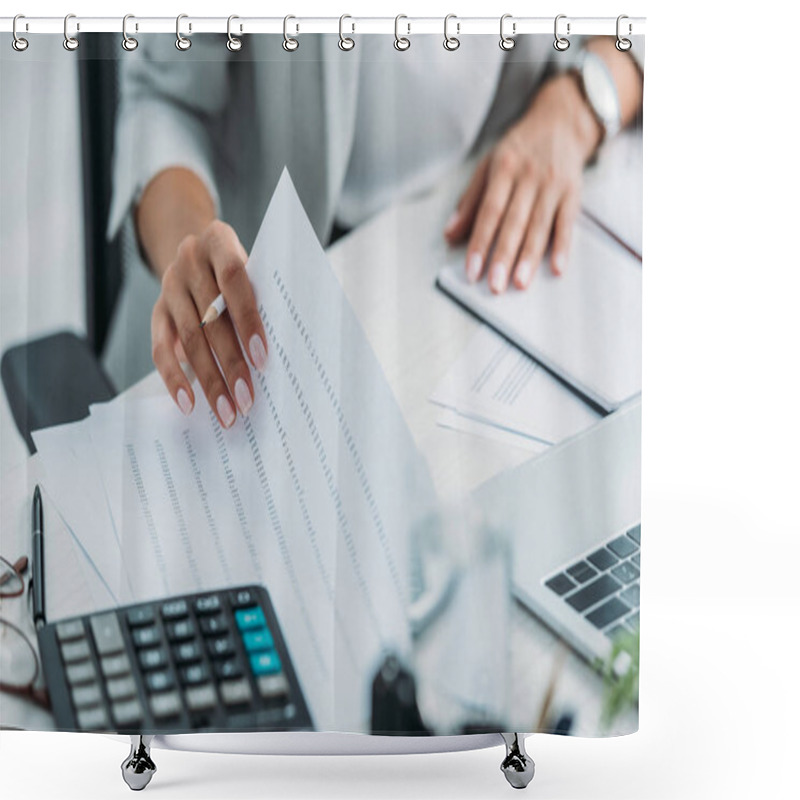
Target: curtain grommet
column 290, row 44
column 17, row 42
column 451, row 43
column 128, row 42
column 507, row 42
column 234, row 43
column 561, row 43
column 622, row 44
column 181, row 41
column 70, row 42
column 401, row 43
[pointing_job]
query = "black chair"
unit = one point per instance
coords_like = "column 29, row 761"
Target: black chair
column 54, row 379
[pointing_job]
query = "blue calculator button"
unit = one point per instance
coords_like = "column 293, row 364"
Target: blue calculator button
column 265, row 663
column 256, row 641
column 248, row 619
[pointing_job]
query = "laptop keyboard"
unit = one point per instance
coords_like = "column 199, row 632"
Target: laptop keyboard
column 603, row 586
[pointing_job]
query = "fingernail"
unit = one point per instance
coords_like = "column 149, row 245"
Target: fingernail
column 184, row 403
column 474, row 266
column 452, row 222
column 225, row 411
column 258, row 353
column 243, row 397
column 497, row 282
column 523, row 274
column 559, row 262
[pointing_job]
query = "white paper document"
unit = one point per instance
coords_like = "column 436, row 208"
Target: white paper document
column 584, row 325
column 499, row 391
column 612, row 192
column 312, row 494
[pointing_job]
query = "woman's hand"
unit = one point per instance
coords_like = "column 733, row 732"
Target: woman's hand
column 527, row 190
column 204, row 265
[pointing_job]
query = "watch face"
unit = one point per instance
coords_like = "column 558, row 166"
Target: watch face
column 600, row 90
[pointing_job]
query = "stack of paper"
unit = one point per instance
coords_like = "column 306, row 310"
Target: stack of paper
column 312, row 494
column 497, row 391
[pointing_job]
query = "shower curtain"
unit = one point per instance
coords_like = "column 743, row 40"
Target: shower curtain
column 368, row 311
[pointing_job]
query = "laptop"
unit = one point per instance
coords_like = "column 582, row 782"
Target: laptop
column 574, row 514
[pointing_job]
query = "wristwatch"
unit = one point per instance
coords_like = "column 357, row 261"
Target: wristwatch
column 600, row 92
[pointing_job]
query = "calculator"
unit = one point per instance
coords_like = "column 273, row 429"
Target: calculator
column 212, row 661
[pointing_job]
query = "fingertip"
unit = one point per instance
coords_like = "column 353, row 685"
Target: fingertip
column 474, row 267
column 184, row 401
column 523, row 274
column 558, row 262
column 498, row 280
column 451, row 224
column 258, row 352
column 225, row 411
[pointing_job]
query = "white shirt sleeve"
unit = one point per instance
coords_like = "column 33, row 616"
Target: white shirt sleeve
column 162, row 121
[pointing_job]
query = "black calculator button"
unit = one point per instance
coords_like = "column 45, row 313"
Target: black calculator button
column 107, row 633
column 121, row 688
column 187, row 652
column 75, row 651
column 239, row 598
column 180, row 630
column 200, row 698
column 230, row 668
column 67, row 631
column 273, row 687
column 208, row 604
column 115, row 666
column 128, row 712
column 146, row 637
column 82, row 672
column 213, row 625
column 153, row 658
column 92, row 719
column 194, row 674
column 220, row 647
column 159, row 681
column 165, row 704
column 86, row 696
column 235, row 692
column 141, row 615
column 175, row 609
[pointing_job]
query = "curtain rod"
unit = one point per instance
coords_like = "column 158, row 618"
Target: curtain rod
column 461, row 26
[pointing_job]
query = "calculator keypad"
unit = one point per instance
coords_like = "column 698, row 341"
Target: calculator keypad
column 205, row 662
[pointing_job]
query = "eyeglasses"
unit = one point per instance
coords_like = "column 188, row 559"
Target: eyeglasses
column 19, row 663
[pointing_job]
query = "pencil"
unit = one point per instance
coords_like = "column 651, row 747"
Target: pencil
column 213, row 311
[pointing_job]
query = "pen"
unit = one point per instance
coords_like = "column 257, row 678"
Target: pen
column 214, row 310
column 37, row 520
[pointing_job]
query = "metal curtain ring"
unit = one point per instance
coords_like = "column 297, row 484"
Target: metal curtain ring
column 561, row 43
column 128, row 42
column 70, row 42
column 451, row 43
column 622, row 44
column 290, row 44
column 234, row 44
column 181, row 42
column 507, row 42
column 401, row 42
column 346, row 42
column 18, row 43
